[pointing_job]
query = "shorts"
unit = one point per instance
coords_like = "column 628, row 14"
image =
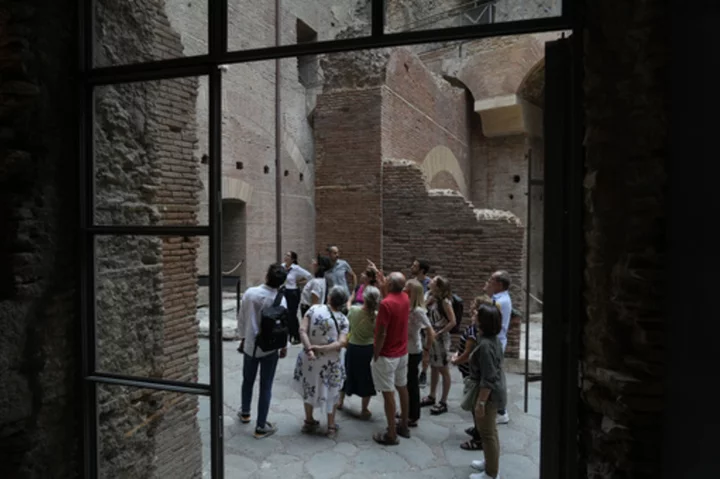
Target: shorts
column 440, row 351
column 389, row 373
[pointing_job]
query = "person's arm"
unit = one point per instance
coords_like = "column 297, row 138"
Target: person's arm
column 353, row 276
column 465, row 356
column 304, row 338
column 243, row 316
column 380, row 329
column 315, row 293
column 336, row 345
column 450, row 315
column 303, row 275
column 487, row 370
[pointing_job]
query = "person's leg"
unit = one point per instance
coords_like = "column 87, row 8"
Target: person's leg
column 445, row 373
column 309, row 419
column 389, row 398
column 400, row 377
column 413, row 386
column 422, row 380
column 487, row 428
column 268, row 366
column 365, row 412
column 292, row 297
column 250, row 367
column 434, row 379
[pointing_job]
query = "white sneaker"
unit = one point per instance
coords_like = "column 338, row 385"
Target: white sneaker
column 478, row 465
column 503, row 418
column 482, row 475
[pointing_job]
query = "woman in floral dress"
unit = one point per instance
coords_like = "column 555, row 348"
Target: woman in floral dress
column 319, row 370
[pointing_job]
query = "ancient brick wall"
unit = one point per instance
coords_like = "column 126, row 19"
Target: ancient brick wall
column 462, row 243
column 624, row 355
column 39, row 424
column 348, row 191
column 146, row 173
column 422, row 111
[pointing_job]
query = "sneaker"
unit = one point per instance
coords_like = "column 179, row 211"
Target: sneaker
column 478, row 465
column 268, row 430
column 482, row 475
column 503, row 418
column 244, row 417
column 423, row 380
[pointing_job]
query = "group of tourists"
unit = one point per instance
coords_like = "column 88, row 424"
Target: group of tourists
column 380, row 335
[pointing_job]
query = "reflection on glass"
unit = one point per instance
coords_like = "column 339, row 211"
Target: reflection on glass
column 151, row 144
column 426, row 15
column 150, row 434
column 137, row 32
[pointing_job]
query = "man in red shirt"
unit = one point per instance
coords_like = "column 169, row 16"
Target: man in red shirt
column 390, row 360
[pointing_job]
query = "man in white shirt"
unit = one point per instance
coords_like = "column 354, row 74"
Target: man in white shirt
column 497, row 286
column 296, row 276
column 253, row 301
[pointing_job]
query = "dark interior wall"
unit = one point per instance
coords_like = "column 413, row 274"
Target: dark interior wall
column 39, row 434
column 623, row 351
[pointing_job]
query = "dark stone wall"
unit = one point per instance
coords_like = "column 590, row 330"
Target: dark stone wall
column 39, row 426
column 624, row 356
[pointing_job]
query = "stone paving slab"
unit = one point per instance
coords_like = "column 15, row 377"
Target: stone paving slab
column 433, row 451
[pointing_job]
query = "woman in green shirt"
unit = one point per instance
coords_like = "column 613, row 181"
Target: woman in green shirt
column 360, row 350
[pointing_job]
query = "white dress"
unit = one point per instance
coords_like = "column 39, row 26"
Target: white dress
column 320, row 381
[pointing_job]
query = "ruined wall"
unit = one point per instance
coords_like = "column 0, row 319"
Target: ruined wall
column 348, row 191
column 624, row 354
column 422, row 111
column 39, row 420
column 146, row 173
column 509, row 10
column 462, row 243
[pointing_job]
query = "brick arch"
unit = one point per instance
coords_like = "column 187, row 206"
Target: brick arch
column 532, row 87
column 442, row 159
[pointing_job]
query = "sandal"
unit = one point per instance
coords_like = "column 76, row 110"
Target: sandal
column 402, row 432
column 427, row 401
column 472, row 445
column 412, row 423
column 384, row 439
column 332, row 431
column 471, row 431
column 309, row 426
column 439, row 408
column 366, row 415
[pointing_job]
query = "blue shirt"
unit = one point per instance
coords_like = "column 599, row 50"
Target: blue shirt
column 503, row 300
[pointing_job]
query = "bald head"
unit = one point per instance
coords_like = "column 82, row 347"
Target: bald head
column 396, row 282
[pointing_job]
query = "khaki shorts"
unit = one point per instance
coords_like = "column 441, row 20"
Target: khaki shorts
column 389, row 373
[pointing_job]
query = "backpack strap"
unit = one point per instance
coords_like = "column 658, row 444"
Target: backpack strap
column 334, row 321
column 278, row 299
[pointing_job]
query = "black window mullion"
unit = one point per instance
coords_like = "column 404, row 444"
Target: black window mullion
column 218, row 25
column 378, row 18
column 150, row 383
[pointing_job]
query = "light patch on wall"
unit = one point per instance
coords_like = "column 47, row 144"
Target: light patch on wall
column 439, row 159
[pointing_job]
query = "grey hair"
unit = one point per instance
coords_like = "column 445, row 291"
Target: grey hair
column 503, row 277
column 396, row 282
column 337, row 297
column 371, row 299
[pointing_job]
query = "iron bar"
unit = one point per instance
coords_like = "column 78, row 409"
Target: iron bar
column 86, row 253
column 378, row 18
column 149, row 230
column 278, row 135
column 150, row 383
column 528, row 255
column 203, row 64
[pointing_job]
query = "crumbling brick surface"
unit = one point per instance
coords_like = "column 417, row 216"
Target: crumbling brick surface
column 464, row 244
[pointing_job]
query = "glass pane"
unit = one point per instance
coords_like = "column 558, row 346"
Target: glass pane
column 252, row 24
column 413, row 16
column 150, row 434
column 151, row 153
column 152, row 307
column 137, row 32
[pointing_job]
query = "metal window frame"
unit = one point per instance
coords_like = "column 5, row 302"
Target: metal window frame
column 211, row 65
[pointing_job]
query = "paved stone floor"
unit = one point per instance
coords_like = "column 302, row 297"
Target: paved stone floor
column 433, row 451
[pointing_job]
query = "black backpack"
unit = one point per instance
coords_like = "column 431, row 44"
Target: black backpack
column 457, row 307
column 274, row 330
